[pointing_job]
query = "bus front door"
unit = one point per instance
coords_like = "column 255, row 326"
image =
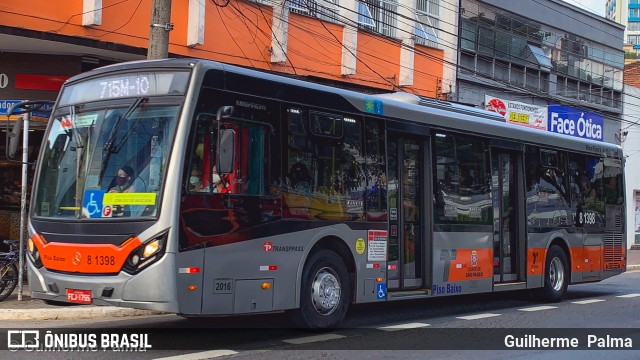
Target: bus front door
column 507, row 247
column 406, row 247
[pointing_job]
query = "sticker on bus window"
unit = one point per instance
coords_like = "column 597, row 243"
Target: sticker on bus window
column 130, row 199
column 78, row 121
column 92, row 203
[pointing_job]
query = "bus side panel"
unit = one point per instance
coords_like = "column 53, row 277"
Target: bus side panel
column 462, row 263
column 538, row 245
column 190, row 301
column 234, row 274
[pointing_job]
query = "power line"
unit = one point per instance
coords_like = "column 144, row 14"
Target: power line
column 521, row 90
column 454, row 66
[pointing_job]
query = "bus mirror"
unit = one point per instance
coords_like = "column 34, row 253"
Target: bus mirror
column 14, row 138
column 226, row 150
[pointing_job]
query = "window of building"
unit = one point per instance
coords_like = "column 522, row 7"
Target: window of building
column 364, row 15
column 513, row 39
column 428, row 22
column 468, row 35
column 379, row 15
column 327, row 10
column 540, row 57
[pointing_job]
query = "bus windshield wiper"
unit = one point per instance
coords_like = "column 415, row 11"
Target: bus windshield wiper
column 108, row 147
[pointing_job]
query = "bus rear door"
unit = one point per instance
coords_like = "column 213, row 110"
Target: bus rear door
column 409, row 243
column 508, row 216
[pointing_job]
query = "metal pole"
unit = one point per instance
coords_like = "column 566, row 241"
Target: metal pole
column 23, row 199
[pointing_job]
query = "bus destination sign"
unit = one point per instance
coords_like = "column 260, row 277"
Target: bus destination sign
column 125, row 85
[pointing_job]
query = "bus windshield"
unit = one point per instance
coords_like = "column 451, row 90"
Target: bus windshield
column 105, row 162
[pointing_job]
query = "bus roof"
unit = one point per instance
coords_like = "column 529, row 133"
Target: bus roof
column 399, row 106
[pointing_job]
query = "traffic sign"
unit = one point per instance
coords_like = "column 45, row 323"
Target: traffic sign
column 5, row 105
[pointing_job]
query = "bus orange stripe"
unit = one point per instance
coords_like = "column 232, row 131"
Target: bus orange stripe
column 463, row 268
column 85, row 258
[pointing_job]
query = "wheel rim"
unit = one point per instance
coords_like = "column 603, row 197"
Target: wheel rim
column 556, row 274
column 325, row 291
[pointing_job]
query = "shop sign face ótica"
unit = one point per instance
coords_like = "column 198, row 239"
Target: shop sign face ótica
column 576, row 122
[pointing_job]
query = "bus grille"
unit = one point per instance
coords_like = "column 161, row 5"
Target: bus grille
column 613, row 247
column 617, row 221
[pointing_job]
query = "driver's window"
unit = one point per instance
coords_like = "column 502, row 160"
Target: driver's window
column 204, row 175
column 248, row 175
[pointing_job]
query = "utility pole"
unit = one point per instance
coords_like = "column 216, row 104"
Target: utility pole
column 159, row 32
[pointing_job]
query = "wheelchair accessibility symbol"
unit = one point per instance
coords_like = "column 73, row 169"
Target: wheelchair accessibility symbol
column 92, row 205
column 381, row 291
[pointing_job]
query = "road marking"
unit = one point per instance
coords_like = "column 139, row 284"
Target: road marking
column 628, row 295
column 403, row 326
column 200, row 355
column 590, row 301
column 477, row 316
column 539, row 308
column 315, row 338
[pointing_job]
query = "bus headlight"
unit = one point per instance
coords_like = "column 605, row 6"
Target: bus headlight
column 146, row 254
column 34, row 254
column 152, row 247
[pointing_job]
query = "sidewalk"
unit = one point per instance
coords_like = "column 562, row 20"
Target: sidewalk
column 35, row 309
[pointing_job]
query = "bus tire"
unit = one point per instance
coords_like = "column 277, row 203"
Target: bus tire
column 556, row 275
column 325, row 294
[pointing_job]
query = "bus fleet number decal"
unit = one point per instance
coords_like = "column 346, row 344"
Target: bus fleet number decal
column 222, row 286
column 588, row 218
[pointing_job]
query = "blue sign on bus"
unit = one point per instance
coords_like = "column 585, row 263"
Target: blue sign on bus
column 575, row 122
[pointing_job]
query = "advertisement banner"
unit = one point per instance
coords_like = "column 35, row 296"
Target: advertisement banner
column 518, row 113
column 575, row 122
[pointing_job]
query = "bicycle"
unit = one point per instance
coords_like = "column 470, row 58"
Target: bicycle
column 9, row 269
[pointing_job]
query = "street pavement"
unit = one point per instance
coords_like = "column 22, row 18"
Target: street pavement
column 35, row 309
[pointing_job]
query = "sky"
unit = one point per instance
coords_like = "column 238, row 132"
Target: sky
column 595, row 6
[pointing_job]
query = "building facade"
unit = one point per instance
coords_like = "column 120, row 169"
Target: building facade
column 631, row 146
column 557, row 54
column 627, row 13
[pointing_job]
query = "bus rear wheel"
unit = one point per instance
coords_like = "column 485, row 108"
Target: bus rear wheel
column 325, row 295
column 556, row 275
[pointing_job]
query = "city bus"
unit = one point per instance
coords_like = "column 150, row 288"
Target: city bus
column 203, row 189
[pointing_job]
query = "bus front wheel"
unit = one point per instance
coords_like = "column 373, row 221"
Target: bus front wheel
column 324, row 299
column 556, row 275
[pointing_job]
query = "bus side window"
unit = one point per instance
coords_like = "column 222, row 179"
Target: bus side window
column 198, row 179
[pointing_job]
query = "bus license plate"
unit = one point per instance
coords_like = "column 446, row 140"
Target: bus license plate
column 79, row 296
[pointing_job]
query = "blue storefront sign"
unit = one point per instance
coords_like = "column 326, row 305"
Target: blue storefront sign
column 575, row 122
column 5, row 105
